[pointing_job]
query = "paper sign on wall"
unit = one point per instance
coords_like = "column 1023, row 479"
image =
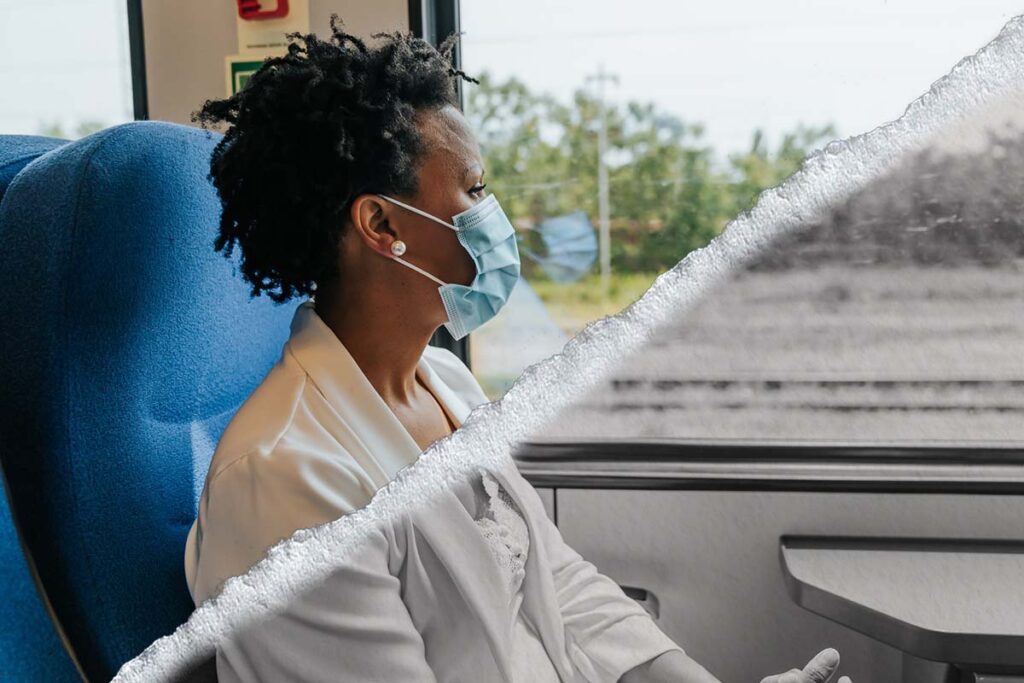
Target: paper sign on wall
column 267, row 36
column 262, row 38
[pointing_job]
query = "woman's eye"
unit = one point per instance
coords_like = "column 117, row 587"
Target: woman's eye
column 478, row 188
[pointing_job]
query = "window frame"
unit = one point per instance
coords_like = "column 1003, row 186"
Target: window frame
column 773, row 465
column 433, row 21
column 137, row 59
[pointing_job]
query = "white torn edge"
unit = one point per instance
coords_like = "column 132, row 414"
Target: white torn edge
column 299, row 563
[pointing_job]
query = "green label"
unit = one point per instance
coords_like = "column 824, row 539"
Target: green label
column 240, row 72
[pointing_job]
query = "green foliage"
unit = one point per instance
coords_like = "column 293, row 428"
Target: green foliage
column 575, row 304
column 669, row 193
column 760, row 169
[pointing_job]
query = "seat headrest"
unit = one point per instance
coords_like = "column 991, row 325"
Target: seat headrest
column 128, row 345
column 17, row 151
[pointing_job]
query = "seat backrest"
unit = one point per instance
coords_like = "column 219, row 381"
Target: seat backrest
column 30, row 648
column 18, row 151
column 129, row 343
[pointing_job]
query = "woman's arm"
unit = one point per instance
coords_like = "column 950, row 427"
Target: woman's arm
column 671, row 667
column 353, row 626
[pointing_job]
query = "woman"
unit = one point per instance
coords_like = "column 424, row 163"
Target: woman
column 351, row 173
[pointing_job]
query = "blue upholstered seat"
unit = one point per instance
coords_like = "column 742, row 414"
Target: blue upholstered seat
column 30, row 648
column 128, row 344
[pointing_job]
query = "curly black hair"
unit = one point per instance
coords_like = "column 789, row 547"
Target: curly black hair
column 309, row 132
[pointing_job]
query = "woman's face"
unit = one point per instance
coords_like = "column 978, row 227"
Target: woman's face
column 450, row 177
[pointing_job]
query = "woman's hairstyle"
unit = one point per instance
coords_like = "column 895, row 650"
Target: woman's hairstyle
column 309, row 132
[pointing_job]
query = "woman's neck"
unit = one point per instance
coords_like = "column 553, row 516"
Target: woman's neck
column 379, row 338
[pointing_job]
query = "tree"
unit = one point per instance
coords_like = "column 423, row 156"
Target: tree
column 668, row 194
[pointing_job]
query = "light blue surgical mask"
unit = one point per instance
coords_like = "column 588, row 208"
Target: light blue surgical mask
column 486, row 233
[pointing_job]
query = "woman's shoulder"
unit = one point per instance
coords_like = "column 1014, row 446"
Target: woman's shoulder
column 256, row 497
column 263, row 418
column 278, row 457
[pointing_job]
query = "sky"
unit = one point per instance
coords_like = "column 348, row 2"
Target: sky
column 732, row 65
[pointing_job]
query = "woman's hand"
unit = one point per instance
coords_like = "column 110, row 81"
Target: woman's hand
column 676, row 667
column 818, row 670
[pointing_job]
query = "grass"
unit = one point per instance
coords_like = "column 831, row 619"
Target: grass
column 575, row 304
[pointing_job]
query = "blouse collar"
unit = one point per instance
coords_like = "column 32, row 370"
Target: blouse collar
column 337, row 376
column 341, row 381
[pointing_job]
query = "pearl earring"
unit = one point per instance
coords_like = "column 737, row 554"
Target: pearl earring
column 398, row 247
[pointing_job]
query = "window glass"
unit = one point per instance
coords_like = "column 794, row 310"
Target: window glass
column 704, row 106
column 895, row 316
column 64, row 67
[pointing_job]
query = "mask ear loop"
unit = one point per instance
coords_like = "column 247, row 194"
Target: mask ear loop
column 427, row 215
column 417, row 268
column 420, row 212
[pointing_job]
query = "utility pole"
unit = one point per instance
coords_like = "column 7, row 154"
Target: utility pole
column 604, row 211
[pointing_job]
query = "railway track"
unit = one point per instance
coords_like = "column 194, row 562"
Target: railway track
column 837, row 352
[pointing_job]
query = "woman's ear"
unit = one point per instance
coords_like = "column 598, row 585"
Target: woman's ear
column 371, row 221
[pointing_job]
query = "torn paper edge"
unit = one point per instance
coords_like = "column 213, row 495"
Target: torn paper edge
column 488, row 435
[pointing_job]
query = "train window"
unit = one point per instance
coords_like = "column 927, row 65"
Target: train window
column 897, row 314
column 704, row 106
column 64, row 67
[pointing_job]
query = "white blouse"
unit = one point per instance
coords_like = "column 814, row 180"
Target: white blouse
column 423, row 599
column 504, row 529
